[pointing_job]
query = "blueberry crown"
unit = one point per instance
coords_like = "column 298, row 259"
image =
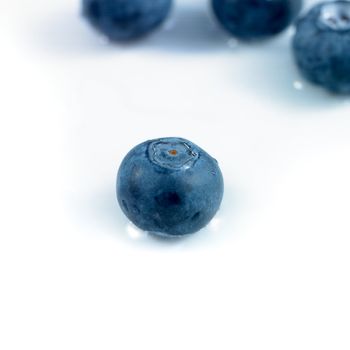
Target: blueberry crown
column 172, row 153
column 335, row 15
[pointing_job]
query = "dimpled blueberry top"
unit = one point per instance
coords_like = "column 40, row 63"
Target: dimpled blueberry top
column 322, row 46
column 172, row 154
column 169, row 186
column 335, row 16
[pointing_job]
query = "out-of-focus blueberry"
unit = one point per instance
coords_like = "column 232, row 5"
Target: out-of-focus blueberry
column 255, row 19
column 122, row 20
column 321, row 46
column 169, row 186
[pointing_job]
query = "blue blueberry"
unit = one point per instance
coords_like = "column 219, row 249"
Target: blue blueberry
column 321, row 46
column 255, row 19
column 169, row 186
column 122, row 20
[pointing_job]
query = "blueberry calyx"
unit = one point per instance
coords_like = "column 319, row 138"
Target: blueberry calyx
column 172, row 154
column 335, row 16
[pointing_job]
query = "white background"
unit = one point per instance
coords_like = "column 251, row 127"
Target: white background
column 272, row 269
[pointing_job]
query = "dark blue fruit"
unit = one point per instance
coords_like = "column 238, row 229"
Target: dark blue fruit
column 122, row 20
column 255, row 19
column 169, row 186
column 321, row 46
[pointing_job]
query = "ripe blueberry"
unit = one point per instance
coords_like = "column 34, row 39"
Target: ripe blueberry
column 255, row 19
column 321, row 46
column 169, row 186
column 122, row 20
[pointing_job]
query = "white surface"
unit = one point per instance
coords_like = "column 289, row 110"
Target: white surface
column 270, row 272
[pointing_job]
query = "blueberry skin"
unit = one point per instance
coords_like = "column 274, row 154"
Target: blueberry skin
column 321, row 46
column 169, row 186
column 123, row 20
column 255, row 19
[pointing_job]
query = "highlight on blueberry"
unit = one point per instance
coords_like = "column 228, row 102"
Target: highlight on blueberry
column 255, row 19
column 169, row 186
column 122, row 20
column 321, row 46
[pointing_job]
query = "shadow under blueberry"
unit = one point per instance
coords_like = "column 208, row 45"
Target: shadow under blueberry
column 168, row 239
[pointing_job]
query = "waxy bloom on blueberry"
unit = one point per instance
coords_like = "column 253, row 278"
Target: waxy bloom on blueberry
column 169, row 186
column 321, row 46
column 122, row 20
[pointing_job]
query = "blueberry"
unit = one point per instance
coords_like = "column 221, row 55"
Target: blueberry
column 255, row 19
column 122, row 20
column 169, row 186
column 321, row 46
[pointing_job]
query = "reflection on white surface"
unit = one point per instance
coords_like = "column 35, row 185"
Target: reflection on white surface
column 298, row 85
column 215, row 224
column 291, row 31
column 134, row 233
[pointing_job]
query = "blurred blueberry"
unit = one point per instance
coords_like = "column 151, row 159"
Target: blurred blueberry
column 321, row 46
column 122, row 20
column 169, row 186
column 255, row 19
